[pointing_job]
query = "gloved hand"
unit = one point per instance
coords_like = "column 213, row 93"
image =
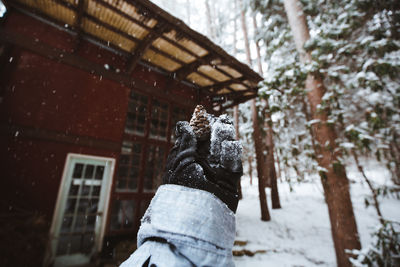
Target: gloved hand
column 212, row 165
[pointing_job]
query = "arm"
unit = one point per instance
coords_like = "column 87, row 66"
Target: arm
column 191, row 221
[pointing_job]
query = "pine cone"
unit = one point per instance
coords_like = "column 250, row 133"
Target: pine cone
column 199, row 122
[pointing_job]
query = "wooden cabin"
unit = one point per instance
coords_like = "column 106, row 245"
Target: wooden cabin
column 90, row 91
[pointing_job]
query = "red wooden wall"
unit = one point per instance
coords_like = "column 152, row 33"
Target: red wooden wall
column 49, row 109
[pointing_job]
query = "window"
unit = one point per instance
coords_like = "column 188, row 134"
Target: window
column 154, row 167
column 137, row 114
column 123, row 214
column 159, row 120
column 142, row 159
column 129, row 166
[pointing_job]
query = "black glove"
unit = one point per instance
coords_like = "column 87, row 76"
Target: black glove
column 194, row 164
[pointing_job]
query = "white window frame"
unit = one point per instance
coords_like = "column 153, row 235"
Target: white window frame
column 56, row 220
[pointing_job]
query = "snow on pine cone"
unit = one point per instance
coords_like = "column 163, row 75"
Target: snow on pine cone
column 199, row 122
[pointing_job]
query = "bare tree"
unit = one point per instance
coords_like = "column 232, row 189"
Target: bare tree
column 333, row 176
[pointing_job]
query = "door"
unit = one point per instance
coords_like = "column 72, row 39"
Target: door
column 79, row 219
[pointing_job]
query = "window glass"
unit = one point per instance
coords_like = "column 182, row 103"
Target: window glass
column 78, row 224
column 154, row 167
column 137, row 114
column 123, row 214
column 159, row 120
column 129, row 166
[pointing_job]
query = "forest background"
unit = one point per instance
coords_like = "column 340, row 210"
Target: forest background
column 330, row 97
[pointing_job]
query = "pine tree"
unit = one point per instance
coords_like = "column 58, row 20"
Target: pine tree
column 333, row 177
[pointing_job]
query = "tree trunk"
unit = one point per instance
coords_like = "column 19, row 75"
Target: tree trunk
column 256, row 131
column 394, row 150
column 245, row 34
column 236, row 119
column 270, row 161
column 188, row 11
column 236, row 108
column 279, row 173
column 259, row 158
column 308, row 118
column 250, row 160
column 334, row 179
column 276, row 204
column 234, row 28
column 210, row 24
column 260, row 69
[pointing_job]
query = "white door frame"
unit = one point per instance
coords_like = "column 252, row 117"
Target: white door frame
column 56, row 221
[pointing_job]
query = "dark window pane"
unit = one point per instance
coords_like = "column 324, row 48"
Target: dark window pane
column 73, row 190
column 159, row 117
column 79, row 223
column 85, row 190
column 132, row 184
column 96, row 191
column 89, row 171
column 129, row 163
column 137, row 113
column 121, row 184
column 77, row 171
column 75, row 244
column 88, row 243
column 124, row 159
column 83, row 205
column 123, row 213
column 137, row 148
column 123, row 171
column 70, row 207
column 92, row 205
column 66, row 224
column 63, row 245
column 154, row 167
column 99, row 172
column 91, row 221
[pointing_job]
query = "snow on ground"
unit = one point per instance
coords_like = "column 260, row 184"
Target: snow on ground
column 299, row 234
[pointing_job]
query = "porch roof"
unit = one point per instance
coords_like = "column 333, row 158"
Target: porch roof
column 145, row 33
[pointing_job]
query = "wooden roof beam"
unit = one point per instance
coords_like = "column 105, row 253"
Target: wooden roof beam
column 236, row 94
column 78, row 22
column 184, row 71
column 144, row 45
column 119, row 12
column 112, row 28
column 218, row 86
column 238, row 101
